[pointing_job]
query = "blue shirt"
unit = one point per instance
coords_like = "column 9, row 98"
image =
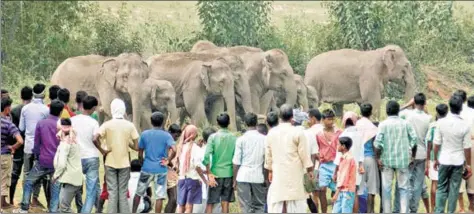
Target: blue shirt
column 369, row 148
column 155, row 143
column 29, row 117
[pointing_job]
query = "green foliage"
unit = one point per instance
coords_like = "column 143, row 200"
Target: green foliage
column 230, row 23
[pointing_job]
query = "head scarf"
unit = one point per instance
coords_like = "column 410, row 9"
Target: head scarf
column 189, row 135
column 39, row 95
column 368, row 129
column 349, row 115
column 117, row 108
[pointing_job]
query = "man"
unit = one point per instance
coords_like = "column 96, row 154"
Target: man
column 172, row 175
column 421, row 123
column 286, row 158
column 155, row 143
column 9, row 130
column 469, row 116
column 220, row 149
column 5, row 94
column 31, row 114
column 85, row 127
column 119, row 135
column 453, row 135
column 53, row 92
column 272, row 119
column 46, row 144
column 64, row 96
column 80, row 96
column 394, row 141
column 248, row 164
column 26, row 95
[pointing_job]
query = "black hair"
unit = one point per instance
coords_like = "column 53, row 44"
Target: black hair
column 392, row 108
column 56, row 107
column 420, row 99
column 207, row 132
column 462, row 94
column 66, row 122
column 157, row 119
column 470, row 101
column 349, row 122
column 6, row 102
column 346, row 142
column 53, row 91
column 315, row 113
column 223, row 120
column 455, row 104
column 286, row 112
column 4, row 91
column 174, row 129
column 26, row 93
column 251, row 119
column 442, row 109
column 262, row 128
column 366, row 110
column 135, row 166
column 38, row 88
column 328, row 113
column 89, row 102
column 80, row 95
column 272, row 119
column 64, row 95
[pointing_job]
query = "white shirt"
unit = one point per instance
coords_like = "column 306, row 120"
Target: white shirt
column 467, row 114
column 250, row 155
column 85, row 127
column 203, row 184
column 196, row 161
column 310, row 134
column 132, row 188
column 30, row 115
column 453, row 134
column 357, row 149
column 421, row 123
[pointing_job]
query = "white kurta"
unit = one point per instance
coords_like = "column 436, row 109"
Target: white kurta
column 286, row 155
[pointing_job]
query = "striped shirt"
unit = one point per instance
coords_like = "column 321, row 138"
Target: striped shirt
column 9, row 130
column 395, row 138
column 250, row 155
column 30, row 115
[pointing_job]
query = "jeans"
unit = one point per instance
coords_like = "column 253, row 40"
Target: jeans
column 415, row 189
column 16, row 172
column 28, row 163
column 117, row 187
column 36, row 174
column 449, row 181
column 172, row 197
column 67, row 193
column 403, row 185
column 90, row 168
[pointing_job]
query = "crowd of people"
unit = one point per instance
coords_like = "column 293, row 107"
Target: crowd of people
column 285, row 164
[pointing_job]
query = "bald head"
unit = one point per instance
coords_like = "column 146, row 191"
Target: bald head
column 286, row 112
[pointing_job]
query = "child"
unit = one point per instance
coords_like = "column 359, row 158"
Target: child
column 67, row 166
column 190, row 171
column 346, row 179
column 145, row 203
column 172, row 175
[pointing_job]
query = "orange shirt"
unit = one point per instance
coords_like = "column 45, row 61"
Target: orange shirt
column 327, row 147
column 346, row 175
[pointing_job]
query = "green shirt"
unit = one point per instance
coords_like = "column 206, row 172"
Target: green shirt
column 221, row 147
column 430, row 138
column 93, row 115
column 396, row 138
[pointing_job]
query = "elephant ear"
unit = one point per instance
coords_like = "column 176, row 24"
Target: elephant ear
column 109, row 71
column 205, row 75
column 388, row 59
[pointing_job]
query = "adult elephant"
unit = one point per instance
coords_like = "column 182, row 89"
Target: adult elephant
column 306, row 95
column 106, row 78
column 267, row 71
column 195, row 80
column 346, row 76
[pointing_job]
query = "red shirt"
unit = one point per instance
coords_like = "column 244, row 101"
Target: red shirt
column 327, row 147
column 346, row 175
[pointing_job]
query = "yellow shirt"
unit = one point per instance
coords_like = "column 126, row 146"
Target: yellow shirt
column 119, row 135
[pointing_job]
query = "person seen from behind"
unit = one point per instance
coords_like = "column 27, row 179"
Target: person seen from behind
column 145, row 202
column 272, row 119
column 172, row 174
column 469, row 116
column 80, row 96
column 64, row 96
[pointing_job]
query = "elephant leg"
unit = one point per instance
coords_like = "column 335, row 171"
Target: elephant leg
column 216, row 108
column 265, row 103
column 182, row 115
column 338, row 109
column 372, row 93
column 194, row 105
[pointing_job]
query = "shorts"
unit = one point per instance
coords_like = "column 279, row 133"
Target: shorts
column 311, row 185
column 189, row 191
column 7, row 166
column 371, row 177
column 433, row 174
column 159, row 184
column 224, row 191
column 326, row 172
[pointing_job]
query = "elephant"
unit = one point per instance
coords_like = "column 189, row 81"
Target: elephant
column 157, row 95
column 267, row 71
column 346, row 75
column 106, row 78
column 215, row 104
column 306, row 96
column 194, row 81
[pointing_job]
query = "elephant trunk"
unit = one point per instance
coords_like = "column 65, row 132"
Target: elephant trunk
column 246, row 98
column 229, row 98
column 291, row 91
column 173, row 111
column 137, row 109
column 410, row 84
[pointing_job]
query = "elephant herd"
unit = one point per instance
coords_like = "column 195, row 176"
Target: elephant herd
column 211, row 79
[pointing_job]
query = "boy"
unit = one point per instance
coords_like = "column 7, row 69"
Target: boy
column 145, row 202
column 67, row 166
column 155, row 142
column 221, row 149
column 80, row 96
column 64, row 96
column 327, row 141
column 172, row 175
column 53, row 92
column 9, row 130
column 346, row 179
